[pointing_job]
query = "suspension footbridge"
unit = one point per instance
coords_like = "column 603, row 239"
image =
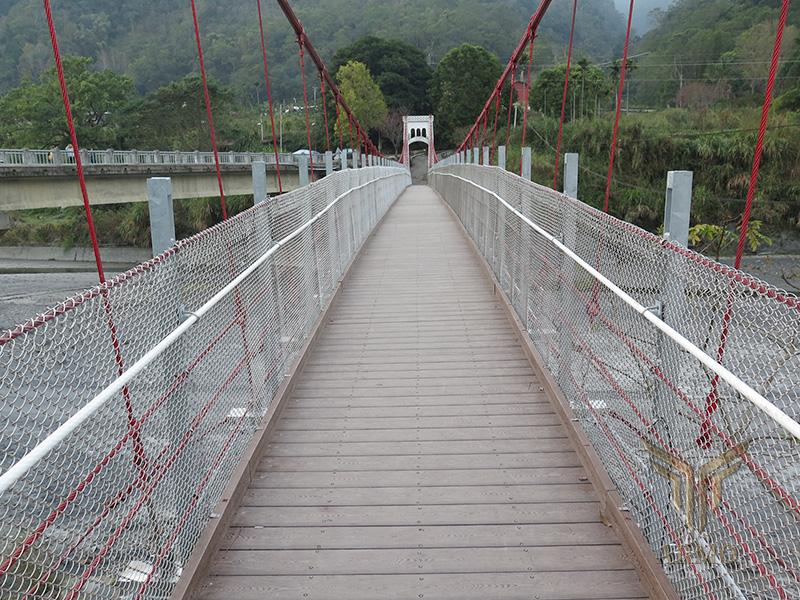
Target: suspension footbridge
column 477, row 388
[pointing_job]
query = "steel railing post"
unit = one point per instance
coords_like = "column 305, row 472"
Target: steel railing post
column 162, row 216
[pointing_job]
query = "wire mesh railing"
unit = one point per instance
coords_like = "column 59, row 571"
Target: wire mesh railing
column 683, row 373
column 126, row 409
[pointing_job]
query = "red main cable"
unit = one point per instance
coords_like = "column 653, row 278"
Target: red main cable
column 74, row 139
column 269, row 98
column 619, row 105
column 312, row 53
column 208, row 109
column 564, row 98
column 761, row 131
column 533, row 25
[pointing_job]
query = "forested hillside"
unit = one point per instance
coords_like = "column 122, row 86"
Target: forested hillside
column 153, row 41
column 705, row 51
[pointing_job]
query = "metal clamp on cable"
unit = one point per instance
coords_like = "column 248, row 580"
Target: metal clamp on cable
column 657, row 309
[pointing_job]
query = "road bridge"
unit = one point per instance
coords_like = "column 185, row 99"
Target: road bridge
column 33, row 179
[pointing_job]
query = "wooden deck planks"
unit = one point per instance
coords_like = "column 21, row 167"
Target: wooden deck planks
column 418, row 456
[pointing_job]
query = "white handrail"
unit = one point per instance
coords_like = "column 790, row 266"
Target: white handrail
column 740, row 386
column 27, row 462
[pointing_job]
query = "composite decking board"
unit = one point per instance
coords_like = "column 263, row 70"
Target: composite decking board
column 418, row 455
column 413, row 462
column 411, row 391
column 422, row 435
column 423, row 400
column 560, row 585
column 298, row 410
column 483, row 494
column 421, row 478
column 433, row 536
column 433, row 359
column 446, row 380
column 355, row 422
column 326, row 370
column 391, row 448
column 389, row 515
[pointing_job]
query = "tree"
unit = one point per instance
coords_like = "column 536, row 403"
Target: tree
column 461, row 86
column 754, row 50
column 175, row 117
column 714, row 239
column 400, row 70
column 362, row 95
column 32, row 115
column 585, row 80
column 391, row 128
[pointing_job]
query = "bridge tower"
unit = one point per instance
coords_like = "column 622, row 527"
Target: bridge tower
column 418, row 128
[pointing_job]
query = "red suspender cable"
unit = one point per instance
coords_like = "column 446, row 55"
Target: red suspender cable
column 619, row 105
column 510, row 104
column 711, row 401
column 494, row 129
column 74, row 139
column 527, row 97
column 269, row 98
column 339, row 124
column 485, row 127
column 350, row 124
column 564, row 98
column 325, row 109
column 761, row 132
column 208, row 108
column 305, row 99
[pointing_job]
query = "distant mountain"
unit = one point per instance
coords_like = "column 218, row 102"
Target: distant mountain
column 642, row 21
column 153, row 40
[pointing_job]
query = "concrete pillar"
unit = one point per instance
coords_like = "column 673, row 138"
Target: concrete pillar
column 677, row 206
column 526, row 163
column 328, row 162
column 355, row 159
column 162, row 216
column 302, row 165
column 259, row 169
column 476, row 156
column 571, row 174
column 5, row 222
column 501, row 157
column 486, row 155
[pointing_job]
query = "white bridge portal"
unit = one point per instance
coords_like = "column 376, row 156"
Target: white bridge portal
column 418, row 128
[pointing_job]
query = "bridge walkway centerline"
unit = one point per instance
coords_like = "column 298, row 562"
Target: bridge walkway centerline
column 417, row 455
